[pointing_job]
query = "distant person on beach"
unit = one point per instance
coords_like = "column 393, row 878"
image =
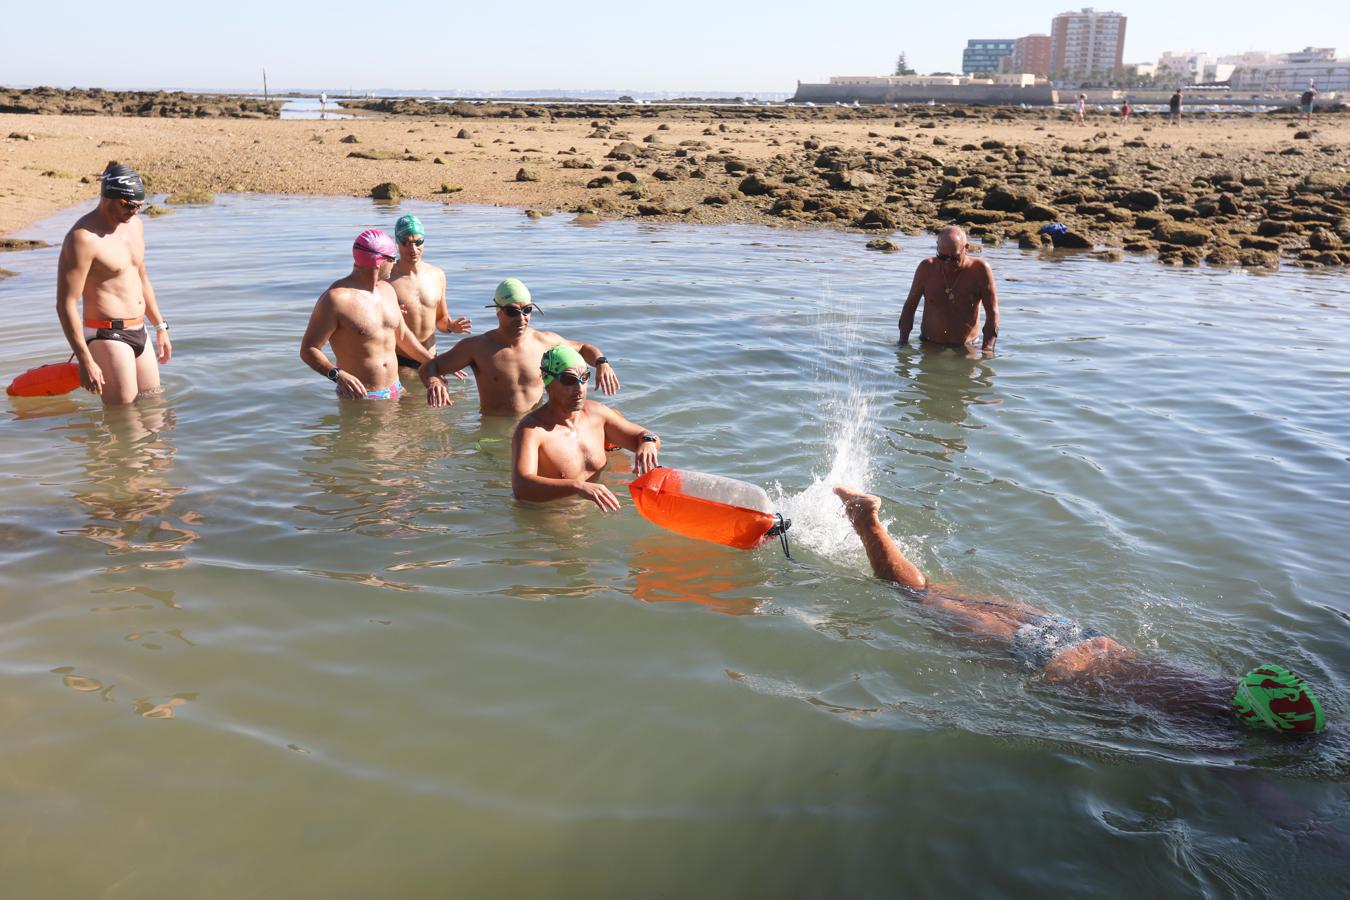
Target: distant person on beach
column 103, row 263
column 559, row 449
column 1081, row 106
column 359, row 315
column 1064, row 652
column 1125, row 112
column 323, row 105
column 1174, row 109
column 505, row 360
column 420, row 289
column 953, row 287
column 1306, row 102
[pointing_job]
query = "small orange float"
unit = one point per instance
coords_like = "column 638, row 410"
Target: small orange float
column 46, row 381
column 708, row 507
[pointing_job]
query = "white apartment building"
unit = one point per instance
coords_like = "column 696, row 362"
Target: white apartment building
column 1295, row 71
column 1086, row 44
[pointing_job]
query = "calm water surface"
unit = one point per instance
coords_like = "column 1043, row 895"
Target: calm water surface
column 256, row 644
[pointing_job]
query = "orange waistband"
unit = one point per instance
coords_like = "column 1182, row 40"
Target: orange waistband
column 115, row 323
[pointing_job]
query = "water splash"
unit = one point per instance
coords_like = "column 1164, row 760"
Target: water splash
column 817, row 520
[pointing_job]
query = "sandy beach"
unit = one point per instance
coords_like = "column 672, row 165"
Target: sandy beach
column 1207, row 191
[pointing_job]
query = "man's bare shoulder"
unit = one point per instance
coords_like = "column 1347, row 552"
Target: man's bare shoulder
column 531, row 421
column 548, row 338
column 980, row 265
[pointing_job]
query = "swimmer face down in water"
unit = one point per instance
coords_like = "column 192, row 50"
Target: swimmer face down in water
column 1268, row 698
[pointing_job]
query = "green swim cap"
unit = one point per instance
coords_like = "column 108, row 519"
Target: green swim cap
column 510, row 292
column 558, row 360
column 1273, row 697
column 408, row 225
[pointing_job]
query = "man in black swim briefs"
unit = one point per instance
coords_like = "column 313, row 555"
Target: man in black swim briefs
column 1269, row 697
column 103, row 263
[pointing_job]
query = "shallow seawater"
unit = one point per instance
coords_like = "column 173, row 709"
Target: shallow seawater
column 257, row 643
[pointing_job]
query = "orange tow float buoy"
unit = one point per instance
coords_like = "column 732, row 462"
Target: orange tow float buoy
column 46, row 381
column 708, row 507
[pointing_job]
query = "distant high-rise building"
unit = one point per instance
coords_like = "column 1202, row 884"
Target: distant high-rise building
column 1031, row 54
column 1086, row 44
column 983, row 55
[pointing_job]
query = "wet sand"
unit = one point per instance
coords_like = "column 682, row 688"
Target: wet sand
column 1225, row 189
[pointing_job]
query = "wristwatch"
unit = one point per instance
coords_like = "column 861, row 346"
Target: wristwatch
column 333, row 373
column 649, row 438
column 601, row 361
column 162, row 326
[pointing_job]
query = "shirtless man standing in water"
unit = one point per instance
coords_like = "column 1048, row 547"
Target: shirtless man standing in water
column 505, row 360
column 559, row 449
column 360, row 316
column 103, row 263
column 420, row 289
column 953, row 287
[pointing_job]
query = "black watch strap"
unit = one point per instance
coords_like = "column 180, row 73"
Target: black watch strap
column 333, row 373
column 649, row 438
column 601, row 361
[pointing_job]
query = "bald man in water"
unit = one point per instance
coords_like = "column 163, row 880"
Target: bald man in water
column 954, row 287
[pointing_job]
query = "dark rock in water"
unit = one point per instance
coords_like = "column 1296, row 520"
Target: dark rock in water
column 1110, row 255
column 1072, row 241
column 386, row 190
column 350, row 139
column 1141, row 201
column 1003, row 198
column 1222, row 256
column 527, row 175
column 1258, row 259
column 882, row 244
column 878, row 217
column 600, row 182
column 1181, row 234
column 15, row 244
column 1029, row 242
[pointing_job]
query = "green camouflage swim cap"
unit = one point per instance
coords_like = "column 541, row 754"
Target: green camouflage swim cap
column 511, row 292
column 408, row 225
column 1273, row 697
column 558, row 360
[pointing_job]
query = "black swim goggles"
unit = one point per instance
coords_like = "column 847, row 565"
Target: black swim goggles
column 516, row 312
column 572, row 379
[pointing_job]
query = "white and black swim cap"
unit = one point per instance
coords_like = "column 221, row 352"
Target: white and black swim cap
column 122, row 182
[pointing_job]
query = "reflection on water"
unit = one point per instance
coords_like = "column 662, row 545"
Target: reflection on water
column 126, row 487
column 339, row 614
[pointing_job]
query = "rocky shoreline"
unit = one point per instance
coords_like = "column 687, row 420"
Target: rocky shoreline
column 1250, row 189
column 47, row 101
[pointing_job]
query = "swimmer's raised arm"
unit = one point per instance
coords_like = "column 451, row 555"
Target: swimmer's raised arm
column 444, row 323
column 888, row 563
column 605, row 379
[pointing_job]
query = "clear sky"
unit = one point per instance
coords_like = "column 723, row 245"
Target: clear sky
column 682, row 46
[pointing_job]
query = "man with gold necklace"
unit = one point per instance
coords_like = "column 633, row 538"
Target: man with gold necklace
column 954, row 287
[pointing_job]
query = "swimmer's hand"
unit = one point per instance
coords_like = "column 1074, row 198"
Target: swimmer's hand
column 462, row 325
column 91, row 377
column 165, row 348
column 349, row 386
column 598, row 494
column 437, row 393
column 605, row 379
column 645, row 458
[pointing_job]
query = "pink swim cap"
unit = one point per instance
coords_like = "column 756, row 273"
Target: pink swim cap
column 373, row 247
